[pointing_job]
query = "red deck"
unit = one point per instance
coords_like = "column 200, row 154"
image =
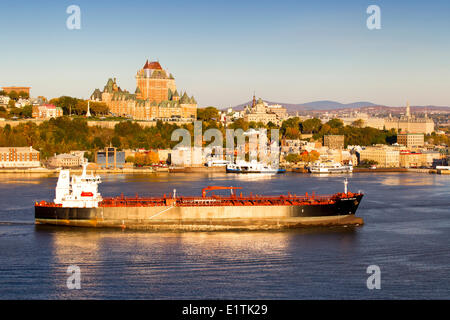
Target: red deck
column 216, row 200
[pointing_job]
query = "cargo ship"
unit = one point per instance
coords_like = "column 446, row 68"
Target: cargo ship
column 78, row 203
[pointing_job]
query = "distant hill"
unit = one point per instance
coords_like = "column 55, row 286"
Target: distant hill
column 314, row 105
column 327, row 105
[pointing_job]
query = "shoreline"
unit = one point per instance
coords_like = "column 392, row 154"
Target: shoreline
column 199, row 170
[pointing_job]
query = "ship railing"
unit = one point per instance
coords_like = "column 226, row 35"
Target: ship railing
column 234, row 200
column 46, row 204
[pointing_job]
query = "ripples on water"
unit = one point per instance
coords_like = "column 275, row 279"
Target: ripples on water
column 406, row 234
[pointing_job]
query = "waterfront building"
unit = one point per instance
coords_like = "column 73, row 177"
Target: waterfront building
column 338, row 155
column 385, row 156
column 65, row 160
column 411, row 140
column 164, row 155
column 110, row 158
column 188, row 157
column 409, row 159
column 409, row 123
column 156, row 97
column 46, row 111
column 19, row 157
column 333, row 141
column 426, row 158
column 431, row 158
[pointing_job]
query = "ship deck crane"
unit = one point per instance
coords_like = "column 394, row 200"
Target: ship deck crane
column 211, row 188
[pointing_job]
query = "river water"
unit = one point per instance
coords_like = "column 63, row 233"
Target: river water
column 406, row 234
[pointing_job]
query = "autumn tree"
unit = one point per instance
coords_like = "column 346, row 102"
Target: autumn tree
column 336, row 123
column 358, row 123
column 311, row 125
column 239, row 124
column 13, row 95
column 292, row 158
column 23, row 95
column 207, row 114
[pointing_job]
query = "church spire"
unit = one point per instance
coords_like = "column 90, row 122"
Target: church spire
column 408, row 110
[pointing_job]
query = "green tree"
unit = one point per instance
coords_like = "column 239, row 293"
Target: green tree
column 66, row 103
column 23, row 95
column 98, row 143
column 27, row 111
column 311, row 125
column 115, row 141
column 271, row 125
column 13, row 95
column 336, row 123
column 358, row 123
column 239, row 124
column 207, row 114
column 293, row 158
column 98, row 108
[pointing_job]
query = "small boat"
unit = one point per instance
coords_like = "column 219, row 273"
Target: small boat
column 252, row 167
column 330, row 167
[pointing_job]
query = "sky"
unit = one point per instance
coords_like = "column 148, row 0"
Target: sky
column 223, row 51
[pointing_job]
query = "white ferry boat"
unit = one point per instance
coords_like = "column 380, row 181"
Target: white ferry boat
column 330, row 167
column 252, row 167
column 217, row 163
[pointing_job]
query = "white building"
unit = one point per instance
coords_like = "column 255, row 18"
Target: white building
column 19, row 157
column 4, row 100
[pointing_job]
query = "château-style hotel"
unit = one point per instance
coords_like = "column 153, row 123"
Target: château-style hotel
column 156, row 97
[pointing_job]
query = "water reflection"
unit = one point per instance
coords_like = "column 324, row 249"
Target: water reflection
column 147, row 262
column 254, row 176
column 24, row 178
column 406, row 232
column 409, row 180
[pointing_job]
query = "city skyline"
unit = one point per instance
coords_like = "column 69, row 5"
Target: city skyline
column 293, row 52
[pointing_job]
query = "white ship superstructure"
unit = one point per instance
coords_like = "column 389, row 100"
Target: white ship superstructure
column 80, row 192
column 252, row 167
column 330, row 167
